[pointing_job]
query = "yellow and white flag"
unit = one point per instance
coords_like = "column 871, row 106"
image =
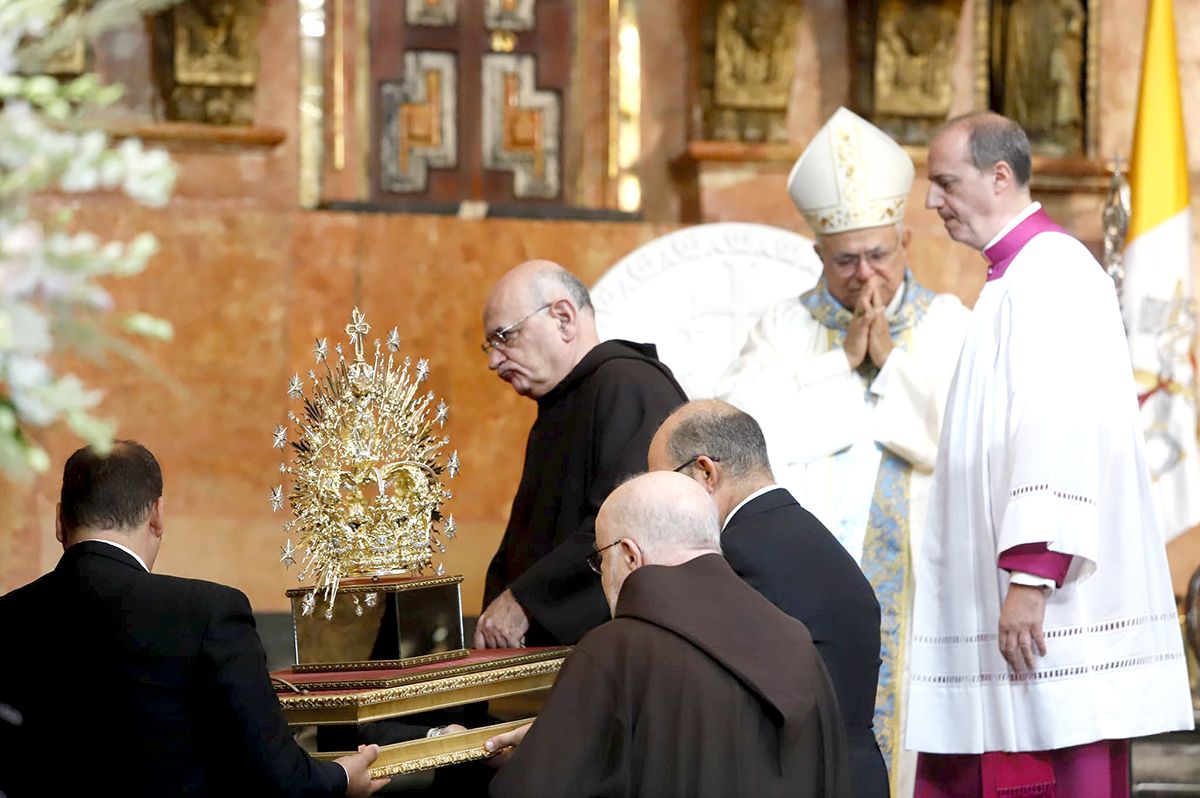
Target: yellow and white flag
column 1157, row 292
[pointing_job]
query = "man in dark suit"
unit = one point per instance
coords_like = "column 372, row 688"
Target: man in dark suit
column 789, row 556
column 129, row 683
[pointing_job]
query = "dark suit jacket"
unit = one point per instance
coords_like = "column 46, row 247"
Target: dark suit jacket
column 136, row 684
column 789, row 556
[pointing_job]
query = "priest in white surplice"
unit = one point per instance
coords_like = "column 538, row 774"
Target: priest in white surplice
column 849, row 381
column 1045, row 633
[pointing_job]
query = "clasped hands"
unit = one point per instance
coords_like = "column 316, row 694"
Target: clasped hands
column 503, row 624
column 868, row 334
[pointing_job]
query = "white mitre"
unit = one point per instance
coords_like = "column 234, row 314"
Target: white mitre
column 851, row 176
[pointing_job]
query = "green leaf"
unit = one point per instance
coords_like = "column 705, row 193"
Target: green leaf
column 11, row 85
column 82, row 88
column 40, row 88
column 107, row 95
column 57, row 108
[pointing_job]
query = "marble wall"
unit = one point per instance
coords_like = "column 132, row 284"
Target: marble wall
column 249, row 281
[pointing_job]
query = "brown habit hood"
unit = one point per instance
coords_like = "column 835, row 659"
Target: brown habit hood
column 729, row 621
column 698, row 688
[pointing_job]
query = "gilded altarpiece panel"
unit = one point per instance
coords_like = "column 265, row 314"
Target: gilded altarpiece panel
column 904, row 59
column 747, row 63
column 207, row 60
column 1039, row 62
column 425, row 105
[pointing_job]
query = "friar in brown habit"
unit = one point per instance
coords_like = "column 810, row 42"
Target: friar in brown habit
column 698, row 687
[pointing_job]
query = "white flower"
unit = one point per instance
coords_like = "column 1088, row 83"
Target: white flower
column 83, row 172
column 93, row 297
column 27, row 373
column 21, row 261
column 136, row 254
column 33, row 408
column 43, row 403
column 148, row 326
column 112, row 170
column 149, row 174
column 50, row 288
column 37, row 459
column 80, row 177
column 29, row 330
column 8, row 46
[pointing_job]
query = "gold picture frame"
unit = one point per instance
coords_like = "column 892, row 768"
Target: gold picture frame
column 438, row 688
column 414, row 756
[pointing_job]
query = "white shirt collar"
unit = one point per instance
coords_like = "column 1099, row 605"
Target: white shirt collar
column 125, row 549
column 747, row 500
column 1030, row 210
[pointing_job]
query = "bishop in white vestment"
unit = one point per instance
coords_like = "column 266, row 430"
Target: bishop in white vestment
column 1045, row 633
column 849, row 380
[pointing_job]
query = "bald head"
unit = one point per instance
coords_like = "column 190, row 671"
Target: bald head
column 539, row 322
column 669, row 516
column 540, row 281
column 660, row 518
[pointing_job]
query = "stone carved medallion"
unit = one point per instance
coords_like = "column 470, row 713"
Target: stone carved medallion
column 697, row 292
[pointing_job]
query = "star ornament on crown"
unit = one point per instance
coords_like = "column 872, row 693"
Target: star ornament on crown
column 366, row 471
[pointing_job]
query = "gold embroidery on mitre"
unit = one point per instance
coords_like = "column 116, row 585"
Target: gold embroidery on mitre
column 856, row 208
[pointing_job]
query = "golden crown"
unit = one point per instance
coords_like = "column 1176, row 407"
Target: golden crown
column 366, row 487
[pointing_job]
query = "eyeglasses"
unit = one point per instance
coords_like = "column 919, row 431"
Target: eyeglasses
column 677, row 469
column 594, row 558
column 875, row 257
column 499, row 339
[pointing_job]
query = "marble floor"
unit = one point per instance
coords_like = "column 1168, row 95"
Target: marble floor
column 1167, row 765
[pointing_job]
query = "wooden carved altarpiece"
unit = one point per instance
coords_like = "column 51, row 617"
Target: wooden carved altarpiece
column 427, row 104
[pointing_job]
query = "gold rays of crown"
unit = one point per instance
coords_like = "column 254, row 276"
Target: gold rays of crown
column 366, row 472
